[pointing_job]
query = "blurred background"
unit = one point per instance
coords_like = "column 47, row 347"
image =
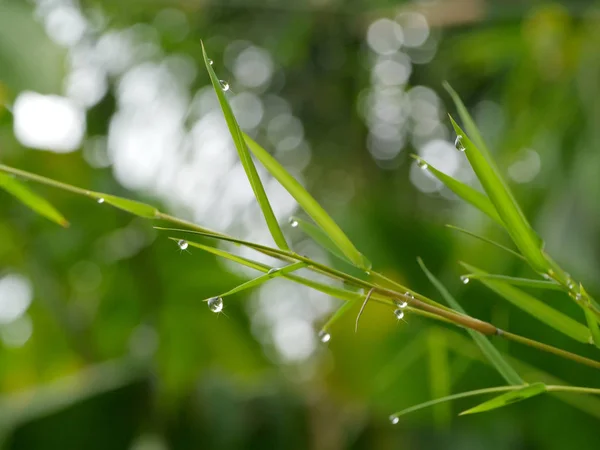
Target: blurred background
column 104, row 339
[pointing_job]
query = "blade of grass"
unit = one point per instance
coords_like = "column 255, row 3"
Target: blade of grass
column 506, row 399
column 245, row 157
column 524, row 237
column 320, row 237
column 541, row 311
column 309, row 204
column 439, row 376
column 131, row 206
column 515, row 281
column 467, row 193
column 492, row 354
column 33, row 201
column 484, row 239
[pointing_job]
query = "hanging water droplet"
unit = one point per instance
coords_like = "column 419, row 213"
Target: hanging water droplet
column 465, row 279
column 210, row 61
column 100, row 200
column 408, row 294
column 458, row 143
column 401, row 304
column 394, row 419
column 399, row 314
column 224, row 85
column 182, row 244
column 324, row 336
column 215, row 304
column 293, row 222
column 422, row 164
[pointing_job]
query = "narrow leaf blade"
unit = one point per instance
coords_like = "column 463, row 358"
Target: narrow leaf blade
column 506, row 399
column 516, row 281
column 505, row 204
column 531, row 305
column 308, row 203
column 33, row 201
column 246, row 158
column 320, row 237
column 131, row 206
column 467, row 193
column 492, row 354
column 272, row 273
column 486, row 240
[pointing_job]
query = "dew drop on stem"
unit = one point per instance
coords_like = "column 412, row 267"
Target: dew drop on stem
column 224, row 85
column 465, row 279
column 422, row 164
column 293, row 222
column 182, row 244
column 394, row 419
column 399, row 314
column 100, row 200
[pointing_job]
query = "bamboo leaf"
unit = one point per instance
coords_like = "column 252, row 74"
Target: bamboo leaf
column 491, row 353
column 395, row 418
column 531, row 305
column 272, row 273
column 515, row 281
column 524, row 237
column 320, row 237
column 246, row 158
column 338, row 314
column 131, row 206
column 308, row 203
column 467, row 193
column 30, row 199
column 489, row 241
column 506, row 399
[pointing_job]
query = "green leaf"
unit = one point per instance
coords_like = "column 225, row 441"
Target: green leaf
column 491, row 353
column 515, row 281
column 309, row 204
column 319, row 236
column 130, row 206
column 510, row 397
column 524, row 237
column 32, row 200
column 394, row 417
column 272, row 273
column 535, row 307
column 342, row 310
column 592, row 322
column 489, row 241
column 467, row 193
column 246, row 158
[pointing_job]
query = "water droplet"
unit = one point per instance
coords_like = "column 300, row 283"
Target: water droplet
column 293, row 223
column 408, row 294
column 100, row 200
column 182, row 244
column 422, row 164
column 465, row 279
column 215, row 304
column 324, row 336
column 272, row 271
column 399, row 314
column 210, row 61
column 547, row 277
column 394, row 419
column 224, row 85
column 578, row 296
column 458, row 143
column 400, row 304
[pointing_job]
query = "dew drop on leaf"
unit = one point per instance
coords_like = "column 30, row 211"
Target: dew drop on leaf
column 215, row 304
column 324, row 336
column 458, row 143
column 182, row 244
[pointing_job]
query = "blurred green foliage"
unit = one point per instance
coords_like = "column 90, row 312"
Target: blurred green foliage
column 211, row 383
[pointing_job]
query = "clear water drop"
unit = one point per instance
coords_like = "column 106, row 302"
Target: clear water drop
column 394, row 419
column 210, row 62
column 458, row 143
column 408, row 294
column 324, row 336
column 100, row 200
column 272, row 271
column 578, row 296
column 422, row 164
column 182, row 244
column 400, row 304
column 399, row 314
column 465, row 279
column 293, row 223
column 224, row 85
column 215, row 304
